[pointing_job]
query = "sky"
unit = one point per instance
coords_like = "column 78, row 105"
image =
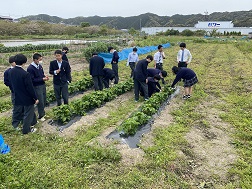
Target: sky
column 104, row 8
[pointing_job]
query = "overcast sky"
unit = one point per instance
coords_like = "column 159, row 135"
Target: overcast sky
column 74, row 8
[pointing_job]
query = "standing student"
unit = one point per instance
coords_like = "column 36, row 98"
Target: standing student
column 132, row 60
column 6, row 77
column 25, row 96
column 152, row 72
column 189, row 78
column 60, row 69
column 184, row 56
column 108, row 74
column 64, row 53
column 38, row 79
column 96, row 70
column 159, row 58
column 114, row 63
column 140, row 77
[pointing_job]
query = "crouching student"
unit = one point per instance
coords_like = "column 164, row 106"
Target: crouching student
column 152, row 72
column 153, row 85
column 189, row 77
column 108, row 74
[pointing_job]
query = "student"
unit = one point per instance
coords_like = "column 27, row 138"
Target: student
column 60, row 70
column 132, row 60
column 64, row 53
column 189, row 77
column 153, row 85
column 108, row 74
column 159, row 58
column 152, row 72
column 140, row 77
column 114, row 63
column 38, row 79
column 184, row 56
column 6, row 77
column 25, row 96
column 96, row 70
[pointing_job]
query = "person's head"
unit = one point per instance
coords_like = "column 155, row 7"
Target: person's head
column 110, row 49
column 134, row 49
column 20, row 59
column 58, row 55
column 163, row 73
column 149, row 58
column 94, row 54
column 37, row 58
column 175, row 70
column 160, row 48
column 157, row 77
column 182, row 45
column 12, row 61
column 65, row 50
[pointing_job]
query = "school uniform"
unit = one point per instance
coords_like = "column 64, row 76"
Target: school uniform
column 96, row 71
column 184, row 56
column 114, row 63
column 152, row 72
column 132, row 60
column 7, row 83
column 108, row 74
column 140, row 76
column 189, row 77
column 158, row 58
column 25, row 97
column 60, row 80
column 37, row 74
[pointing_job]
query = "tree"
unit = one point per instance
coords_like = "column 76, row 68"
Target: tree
column 85, row 24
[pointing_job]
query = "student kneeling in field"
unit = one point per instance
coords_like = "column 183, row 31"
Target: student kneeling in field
column 189, row 77
column 153, row 85
column 108, row 74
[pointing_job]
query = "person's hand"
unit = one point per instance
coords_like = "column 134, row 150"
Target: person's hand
column 36, row 102
column 146, row 81
column 58, row 71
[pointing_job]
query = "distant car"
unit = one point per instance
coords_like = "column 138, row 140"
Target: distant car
column 250, row 35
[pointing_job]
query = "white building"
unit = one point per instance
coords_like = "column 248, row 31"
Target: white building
column 221, row 26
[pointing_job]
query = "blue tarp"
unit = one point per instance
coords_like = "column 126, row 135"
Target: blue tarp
column 125, row 52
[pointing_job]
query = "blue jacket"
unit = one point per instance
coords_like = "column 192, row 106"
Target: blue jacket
column 183, row 73
column 64, row 75
column 37, row 75
column 152, row 72
column 22, row 86
column 6, row 79
column 140, row 72
column 115, row 57
column 96, row 65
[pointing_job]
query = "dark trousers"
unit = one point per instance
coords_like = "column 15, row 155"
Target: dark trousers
column 182, row 64
column 12, row 98
column 59, row 90
column 132, row 67
column 140, row 85
column 41, row 94
column 97, row 82
column 159, row 66
column 106, row 82
column 115, row 69
column 25, row 113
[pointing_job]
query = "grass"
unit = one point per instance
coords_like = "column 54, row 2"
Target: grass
column 49, row 161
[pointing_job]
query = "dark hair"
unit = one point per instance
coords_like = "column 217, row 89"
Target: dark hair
column 149, row 57
column 94, row 53
column 175, row 69
column 36, row 56
column 12, row 59
column 157, row 76
column 20, row 59
column 135, row 49
column 159, row 46
column 182, row 45
column 164, row 73
column 58, row 52
column 65, row 48
column 109, row 49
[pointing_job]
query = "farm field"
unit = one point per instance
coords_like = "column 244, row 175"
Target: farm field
column 202, row 142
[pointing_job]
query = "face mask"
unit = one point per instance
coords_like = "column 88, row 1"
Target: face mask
column 40, row 62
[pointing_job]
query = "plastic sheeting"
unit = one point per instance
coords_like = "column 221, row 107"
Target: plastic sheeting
column 125, row 52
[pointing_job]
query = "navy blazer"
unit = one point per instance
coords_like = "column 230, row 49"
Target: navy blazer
column 22, row 86
column 96, row 65
column 65, row 72
column 140, row 72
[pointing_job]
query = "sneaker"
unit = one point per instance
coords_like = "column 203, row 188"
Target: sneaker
column 188, row 96
column 136, row 100
column 17, row 128
column 33, row 130
column 146, row 99
column 185, row 97
column 42, row 119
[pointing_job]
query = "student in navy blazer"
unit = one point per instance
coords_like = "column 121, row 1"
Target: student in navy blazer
column 61, row 72
column 25, row 96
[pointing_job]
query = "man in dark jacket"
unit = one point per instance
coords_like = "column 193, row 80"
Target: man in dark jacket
column 25, row 96
column 6, row 77
column 38, row 79
column 140, row 77
column 61, row 72
column 153, row 71
column 114, row 63
column 64, row 53
column 96, row 70
column 108, row 74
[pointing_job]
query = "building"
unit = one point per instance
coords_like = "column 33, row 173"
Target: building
column 6, row 18
column 221, row 26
